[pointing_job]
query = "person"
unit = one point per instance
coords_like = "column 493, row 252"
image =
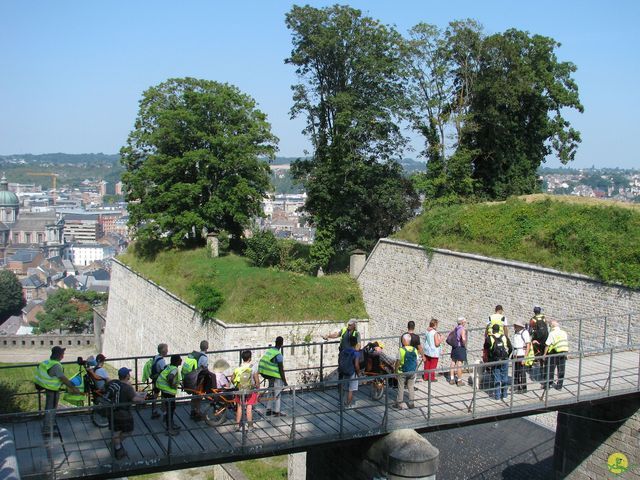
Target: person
column 499, row 349
column 271, row 367
column 458, row 353
column 557, row 344
column 415, row 339
column 156, row 367
column 245, row 379
column 193, row 366
column 100, row 374
column 219, row 367
column 539, row 331
column 497, row 318
column 121, row 394
column 349, row 369
column 49, row 376
column 406, row 367
column 432, row 350
column 168, row 382
column 521, row 348
column 350, row 330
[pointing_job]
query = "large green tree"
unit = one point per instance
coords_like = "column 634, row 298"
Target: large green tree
column 69, row 310
column 516, row 107
column 193, row 163
column 11, row 298
column 350, row 92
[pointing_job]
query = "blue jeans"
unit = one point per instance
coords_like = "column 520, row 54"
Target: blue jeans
column 501, row 380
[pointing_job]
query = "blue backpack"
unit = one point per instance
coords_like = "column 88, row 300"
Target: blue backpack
column 410, row 360
column 345, row 362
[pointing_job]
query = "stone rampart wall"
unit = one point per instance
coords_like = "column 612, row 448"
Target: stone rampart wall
column 46, row 342
column 401, row 282
column 142, row 314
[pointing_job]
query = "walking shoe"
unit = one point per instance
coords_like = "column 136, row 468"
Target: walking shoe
column 239, row 427
column 250, row 426
column 557, row 386
column 268, row 413
column 173, row 432
column 119, row 453
column 398, row 406
column 155, row 415
column 281, row 414
column 452, row 382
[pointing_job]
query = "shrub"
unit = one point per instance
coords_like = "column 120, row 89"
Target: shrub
column 208, row 300
column 262, row 249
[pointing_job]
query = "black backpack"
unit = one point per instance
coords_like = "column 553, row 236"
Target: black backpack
column 499, row 350
column 541, row 330
column 346, row 366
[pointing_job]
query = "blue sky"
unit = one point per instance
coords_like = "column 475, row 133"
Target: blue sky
column 72, row 72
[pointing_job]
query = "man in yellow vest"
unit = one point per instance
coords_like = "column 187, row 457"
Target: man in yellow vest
column 351, row 330
column 271, row 367
column 497, row 318
column 557, row 344
column 406, row 367
column 168, row 382
column 49, row 376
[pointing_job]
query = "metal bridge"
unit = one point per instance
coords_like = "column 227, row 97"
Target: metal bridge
column 315, row 416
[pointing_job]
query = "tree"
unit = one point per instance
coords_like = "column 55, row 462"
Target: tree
column 69, row 310
column 350, row 91
column 192, row 163
column 516, row 113
column 11, row 298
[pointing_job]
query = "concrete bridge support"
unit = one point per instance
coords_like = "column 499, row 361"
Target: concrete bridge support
column 403, row 454
column 599, row 441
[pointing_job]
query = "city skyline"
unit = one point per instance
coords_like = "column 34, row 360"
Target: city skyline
column 74, row 72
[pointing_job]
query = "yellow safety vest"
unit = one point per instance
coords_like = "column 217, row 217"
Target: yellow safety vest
column 267, row 366
column 496, row 319
column 43, row 378
column 238, row 375
column 163, row 380
column 559, row 342
column 403, row 352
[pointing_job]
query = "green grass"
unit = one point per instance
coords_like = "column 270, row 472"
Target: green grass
column 271, row 468
column 13, row 381
column 252, row 294
column 595, row 239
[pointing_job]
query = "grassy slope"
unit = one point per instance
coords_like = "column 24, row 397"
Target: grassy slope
column 594, row 238
column 254, row 294
column 17, row 380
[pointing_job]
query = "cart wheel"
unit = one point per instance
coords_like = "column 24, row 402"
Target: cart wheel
column 215, row 414
column 100, row 417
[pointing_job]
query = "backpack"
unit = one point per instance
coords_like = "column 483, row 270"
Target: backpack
column 345, row 362
column 452, row 338
column 499, row 349
column 242, row 378
column 149, row 371
column 410, row 360
column 540, row 330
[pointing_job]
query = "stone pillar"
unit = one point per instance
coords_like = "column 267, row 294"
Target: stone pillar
column 356, row 262
column 599, row 441
column 213, row 245
column 297, row 466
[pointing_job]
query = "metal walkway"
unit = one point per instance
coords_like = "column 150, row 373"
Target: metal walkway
column 314, row 417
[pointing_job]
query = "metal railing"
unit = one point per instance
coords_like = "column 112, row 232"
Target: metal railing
column 321, row 405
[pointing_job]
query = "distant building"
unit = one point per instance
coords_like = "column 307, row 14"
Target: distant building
column 84, row 254
column 33, row 288
column 21, row 261
column 80, row 228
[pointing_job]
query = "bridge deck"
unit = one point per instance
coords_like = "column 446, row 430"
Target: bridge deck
column 313, row 417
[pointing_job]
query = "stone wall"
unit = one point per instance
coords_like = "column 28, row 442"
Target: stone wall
column 142, row 314
column 401, row 282
column 45, row 342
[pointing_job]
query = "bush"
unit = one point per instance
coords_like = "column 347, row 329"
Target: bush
column 262, row 249
column 208, row 300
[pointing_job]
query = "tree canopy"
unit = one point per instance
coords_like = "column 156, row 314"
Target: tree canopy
column 11, row 298
column 68, row 309
column 351, row 93
column 193, row 163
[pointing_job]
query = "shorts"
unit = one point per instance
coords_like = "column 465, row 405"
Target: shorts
column 250, row 399
column 353, row 384
column 459, row 354
column 122, row 422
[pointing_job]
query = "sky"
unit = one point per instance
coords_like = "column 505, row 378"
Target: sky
column 72, row 72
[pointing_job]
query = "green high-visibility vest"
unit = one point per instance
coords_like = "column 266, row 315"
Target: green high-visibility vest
column 163, row 380
column 267, row 366
column 560, row 342
column 43, row 378
column 496, row 319
column 190, row 363
column 76, row 399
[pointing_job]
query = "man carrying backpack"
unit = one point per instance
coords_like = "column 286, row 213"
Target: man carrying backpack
column 499, row 349
column 117, row 393
column 406, row 367
column 271, row 367
column 349, row 368
column 168, row 382
column 194, row 364
column 539, row 332
column 152, row 370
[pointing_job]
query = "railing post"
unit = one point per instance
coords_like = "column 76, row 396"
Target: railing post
column 475, row 389
column 513, row 370
column 604, row 335
column 610, row 372
column 429, row 401
column 135, row 366
column 628, row 329
column 579, row 375
column 547, row 382
column 385, row 418
column 340, row 396
column 293, row 415
column 580, row 334
column 243, row 419
column 322, row 362
column 165, row 405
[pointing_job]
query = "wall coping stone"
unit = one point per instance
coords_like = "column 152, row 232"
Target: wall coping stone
column 498, row 261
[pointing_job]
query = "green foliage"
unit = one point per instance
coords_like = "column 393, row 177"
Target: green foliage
column 11, row 298
column 208, row 300
column 224, row 242
column 350, row 91
column 270, row 468
column 70, row 310
column 192, row 163
column 599, row 241
column 262, row 249
column 15, row 381
column 254, row 294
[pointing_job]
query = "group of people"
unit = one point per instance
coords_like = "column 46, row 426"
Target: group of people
column 537, row 341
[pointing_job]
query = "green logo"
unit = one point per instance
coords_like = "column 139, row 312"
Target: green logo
column 618, row 463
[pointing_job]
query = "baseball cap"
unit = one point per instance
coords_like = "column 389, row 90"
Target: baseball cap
column 537, row 309
column 57, row 350
column 123, row 372
column 100, row 358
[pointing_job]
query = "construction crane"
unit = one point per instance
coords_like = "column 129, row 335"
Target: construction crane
column 54, row 177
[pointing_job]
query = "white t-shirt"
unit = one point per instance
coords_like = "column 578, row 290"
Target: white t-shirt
column 520, row 341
